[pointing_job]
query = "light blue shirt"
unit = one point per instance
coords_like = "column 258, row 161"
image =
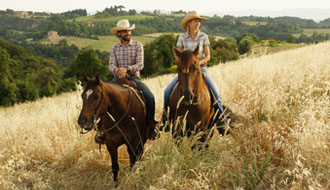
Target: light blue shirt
column 185, row 42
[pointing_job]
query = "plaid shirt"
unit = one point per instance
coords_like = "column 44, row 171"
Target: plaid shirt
column 185, row 42
column 129, row 56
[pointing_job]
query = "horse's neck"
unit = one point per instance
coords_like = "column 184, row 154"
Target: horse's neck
column 201, row 84
column 117, row 95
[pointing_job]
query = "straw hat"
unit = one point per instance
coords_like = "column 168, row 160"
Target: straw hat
column 122, row 25
column 190, row 16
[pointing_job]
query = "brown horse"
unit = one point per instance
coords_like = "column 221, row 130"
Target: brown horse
column 190, row 98
column 119, row 113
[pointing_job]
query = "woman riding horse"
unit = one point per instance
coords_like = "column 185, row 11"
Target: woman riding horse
column 190, row 40
column 190, row 101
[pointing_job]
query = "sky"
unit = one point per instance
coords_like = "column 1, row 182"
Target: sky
column 205, row 7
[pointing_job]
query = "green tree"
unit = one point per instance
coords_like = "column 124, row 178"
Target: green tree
column 158, row 55
column 292, row 39
column 67, row 85
column 245, row 45
column 223, row 50
column 47, row 78
column 87, row 61
column 27, row 91
column 8, row 90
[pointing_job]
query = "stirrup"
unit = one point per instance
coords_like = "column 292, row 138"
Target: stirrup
column 223, row 130
column 153, row 135
column 99, row 139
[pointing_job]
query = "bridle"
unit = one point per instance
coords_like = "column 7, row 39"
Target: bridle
column 96, row 120
column 186, row 78
column 122, row 117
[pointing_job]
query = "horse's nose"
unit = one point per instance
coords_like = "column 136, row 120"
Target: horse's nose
column 82, row 121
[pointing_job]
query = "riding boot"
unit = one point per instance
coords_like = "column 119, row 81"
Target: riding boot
column 222, row 129
column 221, row 126
column 100, row 139
column 153, row 135
column 151, row 123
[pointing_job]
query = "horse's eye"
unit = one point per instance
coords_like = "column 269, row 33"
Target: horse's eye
column 96, row 97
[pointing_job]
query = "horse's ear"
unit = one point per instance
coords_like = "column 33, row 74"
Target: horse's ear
column 196, row 51
column 177, row 52
column 85, row 77
column 98, row 80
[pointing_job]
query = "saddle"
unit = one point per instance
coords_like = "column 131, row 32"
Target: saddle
column 133, row 86
column 125, row 81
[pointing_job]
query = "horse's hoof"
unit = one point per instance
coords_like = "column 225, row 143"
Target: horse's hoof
column 223, row 131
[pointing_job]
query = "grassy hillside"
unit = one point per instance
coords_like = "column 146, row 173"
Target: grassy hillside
column 104, row 43
column 283, row 142
column 310, row 31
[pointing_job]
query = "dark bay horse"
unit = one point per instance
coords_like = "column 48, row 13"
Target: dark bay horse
column 119, row 113
column 190, row 98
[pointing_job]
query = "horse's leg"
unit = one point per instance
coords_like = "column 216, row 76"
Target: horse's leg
column 114, row 159
column 132, row 156
column 202, row 142
column 136, row 153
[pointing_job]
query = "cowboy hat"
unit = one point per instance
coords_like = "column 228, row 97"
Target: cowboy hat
column 190, row 16
column 122, row 25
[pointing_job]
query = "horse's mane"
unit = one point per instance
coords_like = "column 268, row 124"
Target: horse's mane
column 186, row 60
column 92, row 83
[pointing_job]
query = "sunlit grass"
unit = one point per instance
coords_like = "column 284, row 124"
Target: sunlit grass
column 283, row 142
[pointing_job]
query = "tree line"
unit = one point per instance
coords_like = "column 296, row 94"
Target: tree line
column 280, row 28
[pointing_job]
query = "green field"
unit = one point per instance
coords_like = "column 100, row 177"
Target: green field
column 253, row 23
column 111, row 19
column 310, row 31
column 156, row 35
column 103, row 44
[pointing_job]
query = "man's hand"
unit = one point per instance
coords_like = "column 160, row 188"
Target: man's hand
column 122, row 73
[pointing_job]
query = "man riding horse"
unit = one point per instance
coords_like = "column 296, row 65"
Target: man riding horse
column 126, row 61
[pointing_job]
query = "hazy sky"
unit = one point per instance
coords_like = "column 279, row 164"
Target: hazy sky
column 201, row 6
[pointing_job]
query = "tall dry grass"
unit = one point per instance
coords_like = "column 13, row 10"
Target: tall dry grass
column 283, row 143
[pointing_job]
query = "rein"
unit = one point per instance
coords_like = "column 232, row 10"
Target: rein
column 194, row 95
column 122, row 117
column 95, row 121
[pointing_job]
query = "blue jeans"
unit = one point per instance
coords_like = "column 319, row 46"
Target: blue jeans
column 147, row 94
column 210, row 83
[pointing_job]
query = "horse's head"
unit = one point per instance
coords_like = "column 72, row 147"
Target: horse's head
column 189, row 73
column 92, row 96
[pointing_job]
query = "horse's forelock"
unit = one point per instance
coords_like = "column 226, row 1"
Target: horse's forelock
column 186, row 60
column 91, row 84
